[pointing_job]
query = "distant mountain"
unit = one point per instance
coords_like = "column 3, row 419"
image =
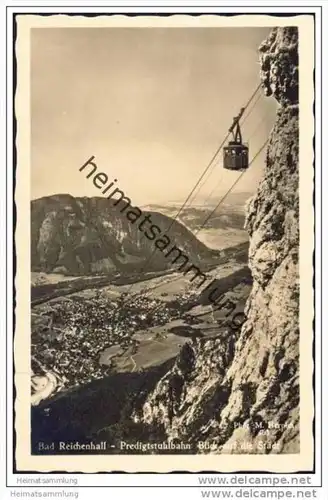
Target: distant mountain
column 226, row 217
column 236, row 201
column 79, row 236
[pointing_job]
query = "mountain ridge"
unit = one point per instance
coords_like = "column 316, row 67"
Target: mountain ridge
column 90, row 235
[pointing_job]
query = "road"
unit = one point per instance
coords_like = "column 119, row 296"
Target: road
column 43, row 387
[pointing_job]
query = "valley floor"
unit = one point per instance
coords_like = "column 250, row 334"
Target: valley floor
column 90, row 334
column 115, row 341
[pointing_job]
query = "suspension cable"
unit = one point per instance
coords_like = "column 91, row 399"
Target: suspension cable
column 212, row 213
column 216, row 153
column 214, row 165
column 197, row 184
column 251, row 108
column 203, row 174
column 217, row 206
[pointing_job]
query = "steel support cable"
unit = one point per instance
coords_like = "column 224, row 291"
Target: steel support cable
column 203, row 174
column 197, row 183
column 149, row 260
column 201, row 186
column 215, row 155
column 255, row 129
column 217, row 206
column 251, row 109
column 197, row 188
column 213, row 211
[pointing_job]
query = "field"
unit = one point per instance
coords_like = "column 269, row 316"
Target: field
column 91, row 333
column 103, row 370
column 101, row 343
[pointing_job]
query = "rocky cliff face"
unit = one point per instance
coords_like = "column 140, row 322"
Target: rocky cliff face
column 91, row 235
column 240, row 391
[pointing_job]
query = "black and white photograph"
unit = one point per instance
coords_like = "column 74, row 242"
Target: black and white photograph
column 161, row 242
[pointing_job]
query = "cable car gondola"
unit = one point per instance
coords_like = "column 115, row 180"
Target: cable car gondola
column 235, row 155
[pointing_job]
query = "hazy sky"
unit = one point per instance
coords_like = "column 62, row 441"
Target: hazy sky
column 152, row 105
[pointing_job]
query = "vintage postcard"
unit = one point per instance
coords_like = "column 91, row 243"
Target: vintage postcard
column 164, row 242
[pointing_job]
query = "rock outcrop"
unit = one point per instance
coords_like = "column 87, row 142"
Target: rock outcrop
column 240, row 391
